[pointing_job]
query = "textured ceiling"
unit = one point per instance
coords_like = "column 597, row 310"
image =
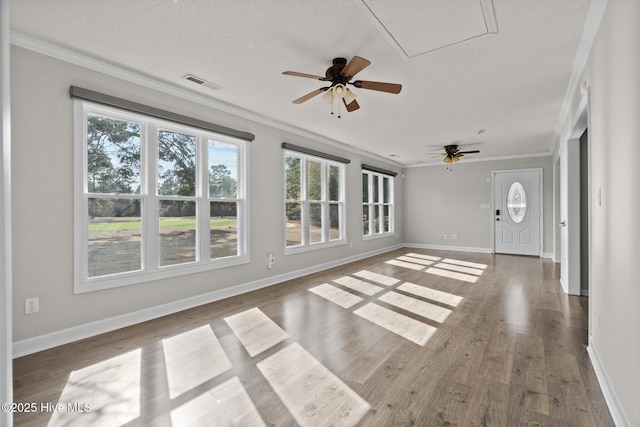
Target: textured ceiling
column 510, row 84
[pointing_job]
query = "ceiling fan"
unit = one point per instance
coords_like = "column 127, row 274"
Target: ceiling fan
column 340, row 75
column 452, row 153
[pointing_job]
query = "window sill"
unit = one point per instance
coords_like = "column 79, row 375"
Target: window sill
column 378, row 236
column 316, row 246
column 132, row 278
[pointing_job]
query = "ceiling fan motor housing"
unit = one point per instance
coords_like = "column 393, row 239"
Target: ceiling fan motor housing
column 333, row 73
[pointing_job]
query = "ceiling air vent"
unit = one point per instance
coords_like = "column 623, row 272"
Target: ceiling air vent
column 202, row 82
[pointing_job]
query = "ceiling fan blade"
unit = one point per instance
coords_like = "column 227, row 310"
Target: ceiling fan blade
column 308, row 76
column 379, row 86
column 352, row 106
column 310, row 95
column 469, row 152
column 354, row 66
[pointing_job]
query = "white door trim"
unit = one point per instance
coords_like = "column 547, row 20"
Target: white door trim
column 493, row 207
column 6, row 362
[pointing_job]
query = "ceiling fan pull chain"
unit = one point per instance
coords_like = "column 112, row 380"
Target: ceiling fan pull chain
column 339, row 116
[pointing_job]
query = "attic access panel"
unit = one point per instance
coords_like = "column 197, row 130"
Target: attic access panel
column 418, row 26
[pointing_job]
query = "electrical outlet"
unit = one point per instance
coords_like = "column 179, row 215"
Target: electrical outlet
column 31, row 305
column 443, row 237
column 454, row 237
column 270, row 260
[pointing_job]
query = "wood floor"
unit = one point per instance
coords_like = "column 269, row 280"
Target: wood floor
column 411, row 337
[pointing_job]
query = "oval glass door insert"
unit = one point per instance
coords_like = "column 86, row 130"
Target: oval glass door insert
column 517, row 202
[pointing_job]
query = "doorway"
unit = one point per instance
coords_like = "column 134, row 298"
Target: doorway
column 517, row 203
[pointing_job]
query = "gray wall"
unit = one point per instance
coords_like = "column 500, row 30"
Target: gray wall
column 611, row 75
column 42, row 202
column 439, row 201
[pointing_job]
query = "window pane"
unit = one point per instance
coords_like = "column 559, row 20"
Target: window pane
column 334, row 183
column 366, row 230
column 315, row 222
column 113, row 155
column 224, row 229
column 314, row 181
column 292, row 173
column 379, row 218
column 177, row 232
column 334, row 222
column 376, row 192
column 517, row 202
column 114, row 231
column 223, row 170
column 176, row 164
column 365, row 187
column 294, row 224
column 386, row 223
column 386, row 189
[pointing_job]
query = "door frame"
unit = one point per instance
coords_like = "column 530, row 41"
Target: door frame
column 493, row 207
column 6, row 337
column 570, row 268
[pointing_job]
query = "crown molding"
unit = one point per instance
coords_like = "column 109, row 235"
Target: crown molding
column 82, row 60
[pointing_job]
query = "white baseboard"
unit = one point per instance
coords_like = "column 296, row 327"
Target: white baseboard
column 618, row 413
column 548, row 255
column 565, row 288
column 65, row 336
column 448, row 248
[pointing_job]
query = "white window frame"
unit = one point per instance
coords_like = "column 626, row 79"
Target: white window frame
column 378, row 205
column 151, row 269
column 306, row 244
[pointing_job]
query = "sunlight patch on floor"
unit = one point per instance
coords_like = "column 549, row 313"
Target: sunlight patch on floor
column 313, row 395
column 377, row 277
column 415, row 306
column 432, row 294
column 227, row 404
column 193, row 358
column 452, row 274
column 460, row 268
column 111, row 388
column 358, row 285
column 404, row 264
column 399, row 324
column 415, row 260
column 423, row 256
column 465, row 263
column 255, row 330
column 337, row 296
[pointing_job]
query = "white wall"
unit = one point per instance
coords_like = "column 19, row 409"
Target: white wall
column 439, row 201
column 42, row 203
column 612, row 74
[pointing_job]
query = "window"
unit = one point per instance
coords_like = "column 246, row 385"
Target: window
column 377, row 204
column 517, row 202
column 154, row 198
column 314, row 202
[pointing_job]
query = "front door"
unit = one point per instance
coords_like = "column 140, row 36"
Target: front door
column 517, row 211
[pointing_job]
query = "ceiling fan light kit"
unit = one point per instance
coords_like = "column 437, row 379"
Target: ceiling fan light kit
column 452, row 154
column 340, row 75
